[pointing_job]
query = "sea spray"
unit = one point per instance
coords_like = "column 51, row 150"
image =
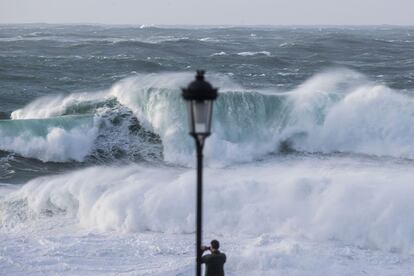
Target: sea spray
column 50, row 106
column 373, row 120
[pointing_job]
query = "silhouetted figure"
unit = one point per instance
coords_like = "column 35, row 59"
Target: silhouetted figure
column 214, row 261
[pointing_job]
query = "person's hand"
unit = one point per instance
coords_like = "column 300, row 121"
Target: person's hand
column 204, row 248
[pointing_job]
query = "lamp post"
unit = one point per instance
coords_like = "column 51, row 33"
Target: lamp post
column 199, row 96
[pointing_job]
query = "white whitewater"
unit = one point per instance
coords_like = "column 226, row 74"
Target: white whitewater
column 273, row 211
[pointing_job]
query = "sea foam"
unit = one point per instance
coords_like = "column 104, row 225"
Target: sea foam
column 58, row 140
column 356, row 202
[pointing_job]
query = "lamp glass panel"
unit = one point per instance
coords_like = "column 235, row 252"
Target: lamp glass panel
column 202, row 116
column 190, row 116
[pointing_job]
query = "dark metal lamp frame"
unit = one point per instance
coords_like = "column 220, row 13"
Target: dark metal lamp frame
column 199, row 91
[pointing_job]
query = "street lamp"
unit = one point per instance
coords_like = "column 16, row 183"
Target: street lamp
column 199, row 96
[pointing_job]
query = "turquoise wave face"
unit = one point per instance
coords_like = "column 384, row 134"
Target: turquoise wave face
column 41, row 127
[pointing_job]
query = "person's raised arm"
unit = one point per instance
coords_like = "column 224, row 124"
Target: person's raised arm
column 204, row 258
column 204, row 248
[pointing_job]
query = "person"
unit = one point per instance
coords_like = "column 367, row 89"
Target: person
column 214, row 261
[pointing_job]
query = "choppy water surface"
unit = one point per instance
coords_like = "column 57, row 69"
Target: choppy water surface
column 278, row 83
column 309, row 122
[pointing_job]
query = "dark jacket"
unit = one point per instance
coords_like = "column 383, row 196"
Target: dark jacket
column 214, row 263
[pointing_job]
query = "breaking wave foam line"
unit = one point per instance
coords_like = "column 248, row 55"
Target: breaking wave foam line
column 265, row 53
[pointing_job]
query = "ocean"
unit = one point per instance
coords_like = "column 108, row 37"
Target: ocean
column 308, row 170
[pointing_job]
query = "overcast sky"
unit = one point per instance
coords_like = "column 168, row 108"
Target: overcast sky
column 210, row 12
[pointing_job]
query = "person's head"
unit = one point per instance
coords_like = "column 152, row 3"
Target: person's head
column 215, row 245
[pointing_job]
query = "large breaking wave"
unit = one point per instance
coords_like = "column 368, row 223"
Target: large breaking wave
column 334, row 111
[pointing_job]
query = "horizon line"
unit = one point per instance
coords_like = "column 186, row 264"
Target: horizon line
column 205, row 25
